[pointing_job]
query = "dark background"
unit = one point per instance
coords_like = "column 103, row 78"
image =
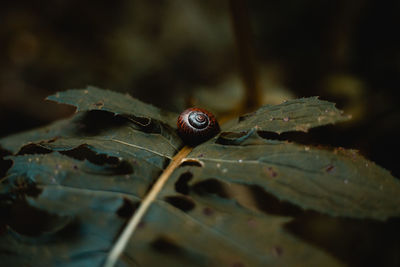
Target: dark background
column 172, row 53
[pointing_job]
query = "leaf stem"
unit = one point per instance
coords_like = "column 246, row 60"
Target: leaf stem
column 144, row 206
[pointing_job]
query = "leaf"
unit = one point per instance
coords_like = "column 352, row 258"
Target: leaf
column 93, row 98
column 55, row 169
column 339, row 182
column 292, row 115
column 218, row 233
column 13, row 143
column 65, row 227
column 93, row 153
column 240, row 199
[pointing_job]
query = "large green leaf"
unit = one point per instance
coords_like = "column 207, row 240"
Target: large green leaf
column 236, row 200
column 293, row 115
column 337, row 182
column 216, row 232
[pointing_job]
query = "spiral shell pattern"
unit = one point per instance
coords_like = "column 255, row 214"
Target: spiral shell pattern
column 196, row 125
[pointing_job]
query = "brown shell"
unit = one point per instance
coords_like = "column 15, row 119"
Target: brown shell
column 193, row 136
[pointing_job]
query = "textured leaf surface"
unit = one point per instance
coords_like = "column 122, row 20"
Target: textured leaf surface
column 236, row 200
column 217, row 232
column 98, row 128
column 292, row 115
column 339, row 182
column 64, row 226
column 78, row 181
column 13, row 143
column 93, row 98
column 116, row 148
column 58, row 170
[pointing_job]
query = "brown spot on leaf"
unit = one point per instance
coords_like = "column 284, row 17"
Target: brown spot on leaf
column 252, row 222
column 141, row 225
column 52, row 140
column 208, row 211
column 277, row 251
column 271, row 172
column 330, row 168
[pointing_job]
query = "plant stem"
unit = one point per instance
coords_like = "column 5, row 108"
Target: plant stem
column 247, row 62
column 144, row 206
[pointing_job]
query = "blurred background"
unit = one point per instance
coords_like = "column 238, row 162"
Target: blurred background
column 178, row 53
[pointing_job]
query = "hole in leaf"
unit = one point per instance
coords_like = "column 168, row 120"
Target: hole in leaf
column 24, row 187
column 233, row 138
column 123, row 167
column 192, row 163
column 31, row 149
column 268, row 203
column 96, row 121
column 324, row 137
column 279, row 137
column 31, row 221
column 181, row 186
column 5, row 164
column 127, row 209
column 181, row 202
column 83, row 152
column 210, row 186
column 166, row 245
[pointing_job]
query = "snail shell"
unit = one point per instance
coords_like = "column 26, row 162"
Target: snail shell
column 196, row 125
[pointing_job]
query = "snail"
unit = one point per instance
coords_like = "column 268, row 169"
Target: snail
column 196, row 125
